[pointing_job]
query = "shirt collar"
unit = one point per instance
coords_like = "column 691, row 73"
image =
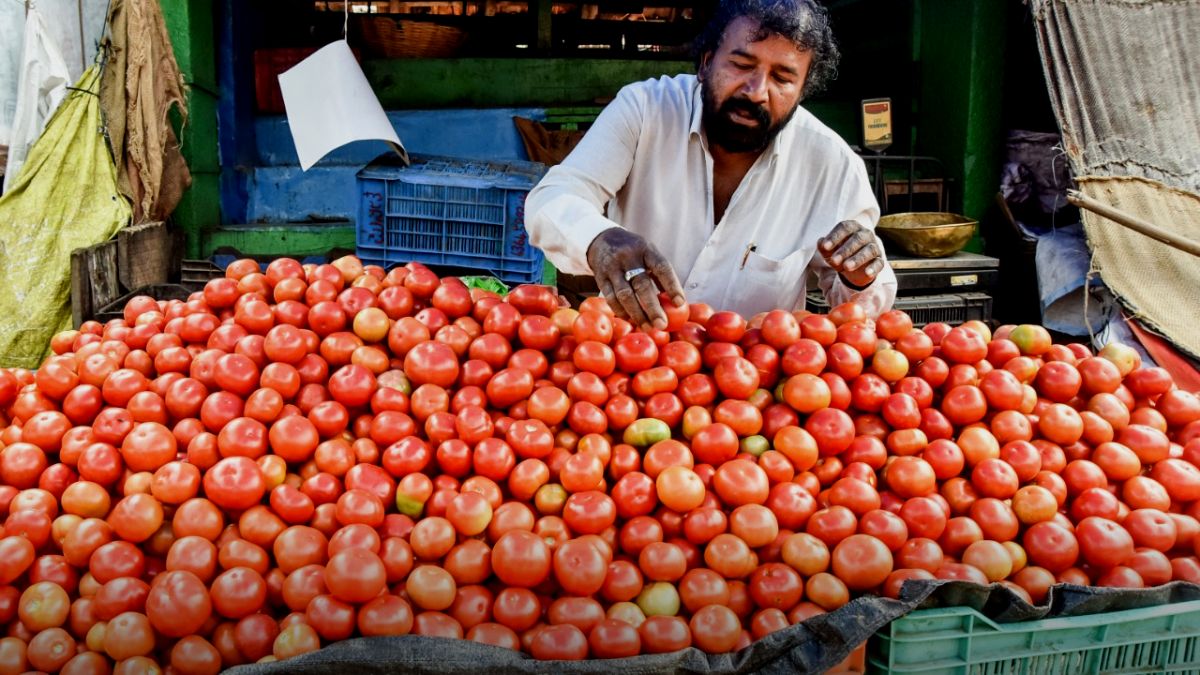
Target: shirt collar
column 783, row 139
column 697, row 109
column 774, row 148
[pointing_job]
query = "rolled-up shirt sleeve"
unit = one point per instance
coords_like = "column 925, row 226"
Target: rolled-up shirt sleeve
column 858, row 204
column 565, row 211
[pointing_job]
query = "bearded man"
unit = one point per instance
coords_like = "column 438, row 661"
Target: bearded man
column 720, row 187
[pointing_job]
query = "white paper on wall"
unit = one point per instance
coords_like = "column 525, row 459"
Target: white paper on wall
column 330, row 103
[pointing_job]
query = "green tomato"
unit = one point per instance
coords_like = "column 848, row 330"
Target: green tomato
column 396, row 379
column 659, row 599
column 646, row 431
column 755, row 445
column 550, row 497
column 627, row 612
column 409, row 506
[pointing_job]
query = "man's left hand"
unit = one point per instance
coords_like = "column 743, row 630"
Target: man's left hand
column 852, row 251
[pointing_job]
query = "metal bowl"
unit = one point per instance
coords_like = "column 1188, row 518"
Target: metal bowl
column 927, row 235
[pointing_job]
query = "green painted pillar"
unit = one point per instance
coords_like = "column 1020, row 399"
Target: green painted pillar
column 190, row 23
column 961, row 53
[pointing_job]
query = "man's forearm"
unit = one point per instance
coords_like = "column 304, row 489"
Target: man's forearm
column 563, row 225
column 565, row 212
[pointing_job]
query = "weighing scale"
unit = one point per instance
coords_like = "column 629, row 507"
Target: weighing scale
column 928, row 288
column 961, row 272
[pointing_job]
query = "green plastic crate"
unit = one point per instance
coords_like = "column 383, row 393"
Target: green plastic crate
column 959, row 640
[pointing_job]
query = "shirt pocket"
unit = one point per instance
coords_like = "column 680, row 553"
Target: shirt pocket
column 765, row 283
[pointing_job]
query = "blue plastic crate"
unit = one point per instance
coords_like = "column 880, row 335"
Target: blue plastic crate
column 450, row 212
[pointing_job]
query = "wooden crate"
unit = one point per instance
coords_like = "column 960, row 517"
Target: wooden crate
column 94, row 281
column 146, row 255
column 139, row 256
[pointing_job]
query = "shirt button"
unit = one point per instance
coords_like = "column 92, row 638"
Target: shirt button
column 693, row 285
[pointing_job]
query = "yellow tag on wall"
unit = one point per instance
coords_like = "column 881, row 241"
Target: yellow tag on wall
column 877, row 123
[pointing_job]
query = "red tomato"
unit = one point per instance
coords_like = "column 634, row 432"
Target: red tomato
column 832, row 429
column 1051, row 546
column 861, row 561
column 1103, row 543
column 235, row 483
column 521, row 558
column 178, row 604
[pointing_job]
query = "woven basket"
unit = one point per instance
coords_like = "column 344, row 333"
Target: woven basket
column 395, row 38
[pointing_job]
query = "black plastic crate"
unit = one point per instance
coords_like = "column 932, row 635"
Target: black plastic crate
column 194, row 274
column 951, row 308
column 116, row 308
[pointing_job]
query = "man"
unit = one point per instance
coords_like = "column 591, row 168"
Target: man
column 720, row 179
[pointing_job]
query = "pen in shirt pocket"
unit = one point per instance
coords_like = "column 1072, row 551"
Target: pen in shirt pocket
column 746, row 256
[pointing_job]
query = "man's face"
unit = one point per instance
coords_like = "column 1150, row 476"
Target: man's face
column 750, row 87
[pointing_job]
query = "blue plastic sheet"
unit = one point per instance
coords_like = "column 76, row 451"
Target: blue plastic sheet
column 1070, row 301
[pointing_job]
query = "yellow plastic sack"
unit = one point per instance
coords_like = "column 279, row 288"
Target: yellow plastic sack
column 65, row 198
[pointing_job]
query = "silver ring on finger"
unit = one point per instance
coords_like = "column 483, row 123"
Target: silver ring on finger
column 630, row 274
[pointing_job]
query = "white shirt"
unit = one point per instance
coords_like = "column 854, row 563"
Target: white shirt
column 647, row 160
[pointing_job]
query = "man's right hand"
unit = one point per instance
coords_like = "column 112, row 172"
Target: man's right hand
column 616, row 252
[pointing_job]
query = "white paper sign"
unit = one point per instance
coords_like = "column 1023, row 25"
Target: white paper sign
column 330, row 103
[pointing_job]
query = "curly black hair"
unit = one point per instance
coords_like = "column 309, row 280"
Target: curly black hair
column 804, row 22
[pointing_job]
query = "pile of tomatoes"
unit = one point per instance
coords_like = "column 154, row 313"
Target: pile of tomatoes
column 296, row 457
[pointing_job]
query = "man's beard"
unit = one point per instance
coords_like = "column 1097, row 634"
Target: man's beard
column 734, row 136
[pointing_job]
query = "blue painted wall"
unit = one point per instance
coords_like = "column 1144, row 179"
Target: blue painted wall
column 277, row 190
column 236, row 23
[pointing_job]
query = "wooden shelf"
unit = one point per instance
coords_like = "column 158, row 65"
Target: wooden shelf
column 508, row 82
column 638, row 29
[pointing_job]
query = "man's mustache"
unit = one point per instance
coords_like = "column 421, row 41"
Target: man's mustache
column 758, row 112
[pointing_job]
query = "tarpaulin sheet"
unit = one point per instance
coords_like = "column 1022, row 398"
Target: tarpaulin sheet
column 1072, row 302
column 814, row 646
column 1158, row 284
column 1183, row 372
column 1124, row 79
column 66, row 198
